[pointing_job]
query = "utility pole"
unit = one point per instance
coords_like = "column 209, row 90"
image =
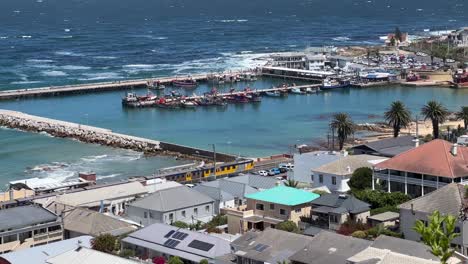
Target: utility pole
column 214, row 160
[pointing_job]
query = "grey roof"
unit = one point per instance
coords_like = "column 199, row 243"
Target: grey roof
column 447, row 200
column 255, row 181
column 331, row 248
column 23, row 216
column 389, row 146
column 312, row 231
column 305, row 162
column 172, row 199
column 93, row 223
column 347, row 203
column 385, row 216
column 39, row 254
column 85, row 255
column 152, row 237
column 225, row 189
column 403, row 246
column 348, row 164
column 280, row 245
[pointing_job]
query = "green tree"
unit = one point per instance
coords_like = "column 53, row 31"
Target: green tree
column 105, row 243
column 437, row 112
column 398, row 34
column 127, row 253
column 359, row 234
column 361, row 179
column 438, row 234
column 175, row 260
column 291, row 183
column 463, row 115
column 180, row 224
column 392, row 41
column 288, row 226
column 344, row 127
column 204, row 261
column 282, row 262
column 398, row 116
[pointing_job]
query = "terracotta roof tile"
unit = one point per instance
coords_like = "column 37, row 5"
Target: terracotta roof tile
column 433, row 158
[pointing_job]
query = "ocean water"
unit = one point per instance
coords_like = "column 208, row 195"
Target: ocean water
column 54, row 42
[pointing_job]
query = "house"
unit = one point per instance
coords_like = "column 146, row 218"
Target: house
column 268, row 208
column 459, row 37
column 387, row 147
column 255, row 181
column 84, row 255
column 424, row 169
column 160, row 240
column 304, row 163
column 171, row 205
column 328, row 247
column 81, row 221
column 385, row 219
column 448, row 200
column 336, row 174
column 331, row 210
column 293, row 60
column 40, row 254
column 316, row 62
column 105, row 198
column 225, row 192
column 27, row 226
column 269, row 246
column 387, row 249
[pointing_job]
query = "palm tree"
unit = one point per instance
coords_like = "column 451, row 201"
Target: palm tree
column 463, row 115
column 291, row 183
column 398, row 116
column 344, row 127
column 437, row 112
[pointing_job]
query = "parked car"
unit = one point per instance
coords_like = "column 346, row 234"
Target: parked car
column 288, row 166
column 262, row 173
column 283, row 170
column 274, row 171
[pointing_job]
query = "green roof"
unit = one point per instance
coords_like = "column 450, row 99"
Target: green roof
column 284, row 195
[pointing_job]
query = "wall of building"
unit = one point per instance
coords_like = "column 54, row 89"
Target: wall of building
column 292, row 213
column 340, row 186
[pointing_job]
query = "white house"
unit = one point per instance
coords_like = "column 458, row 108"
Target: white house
column 304, row 163
column 336, row 174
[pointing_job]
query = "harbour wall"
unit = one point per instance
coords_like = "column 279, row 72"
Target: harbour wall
column 106, row 137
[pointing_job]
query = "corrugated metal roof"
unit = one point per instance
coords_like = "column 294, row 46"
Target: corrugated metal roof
column 85, row 255
column 284, row 195
column 348, row 164
column 23, row 216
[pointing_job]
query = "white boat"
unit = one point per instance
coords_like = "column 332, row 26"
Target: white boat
column 273, row 94
column 297, row 91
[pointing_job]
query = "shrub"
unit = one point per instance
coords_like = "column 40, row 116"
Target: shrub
column 288, row 226
column 359, row 234
column 175, row 260
column 349, row 227
column 203, row 261
column 217, row 221
column 127, row 253
column 379, row 199
column 180, row 224
column 389, row 208
column 361, row 179
column 105, row 243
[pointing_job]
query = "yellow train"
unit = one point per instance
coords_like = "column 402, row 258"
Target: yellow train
column 207, row 172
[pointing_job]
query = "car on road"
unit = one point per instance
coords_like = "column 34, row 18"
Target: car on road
column 262, row 173
column 274, row 171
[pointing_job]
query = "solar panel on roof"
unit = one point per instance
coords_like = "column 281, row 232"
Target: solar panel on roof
column 169, row 234
column 260, row 247
column 184, row 236
column 180, row 235
column 171, row 243
column 200, row 245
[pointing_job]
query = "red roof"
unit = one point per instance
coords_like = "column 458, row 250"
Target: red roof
column 432, row 158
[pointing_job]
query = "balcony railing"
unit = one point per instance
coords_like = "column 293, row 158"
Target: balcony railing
column 401, row 179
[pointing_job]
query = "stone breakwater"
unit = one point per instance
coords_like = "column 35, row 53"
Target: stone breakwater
column 95, row 135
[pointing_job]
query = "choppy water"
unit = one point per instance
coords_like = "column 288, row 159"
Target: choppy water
column 54, row 42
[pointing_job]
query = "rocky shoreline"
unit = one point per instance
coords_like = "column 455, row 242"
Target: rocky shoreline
column 86, row 134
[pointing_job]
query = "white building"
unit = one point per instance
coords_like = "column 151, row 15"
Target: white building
column 335, row 175
column 304, row 163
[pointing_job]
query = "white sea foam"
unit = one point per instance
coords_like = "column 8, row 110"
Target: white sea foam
column 67, row 30
column 3, row 37
column 105, row 57
column 94, row 158
column 100, row 76
column 39, row 61
column 75, row 67
column 54, row 73
column 161, row 38
column 108, row 176
column 26, row 36
column 25, row 82
column 139, row 66
column 341, row 39
column 68, row 53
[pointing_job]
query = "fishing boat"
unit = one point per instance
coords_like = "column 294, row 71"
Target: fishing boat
column 185, row 83
column 334, row 84
column 310, row 90
column 297, row 91
column 273, row 94
column 188, row 104
column 155, row 85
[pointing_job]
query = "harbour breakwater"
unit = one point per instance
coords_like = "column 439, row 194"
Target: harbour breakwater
column 101, row 136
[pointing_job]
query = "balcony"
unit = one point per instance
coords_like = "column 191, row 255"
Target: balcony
column 401, row 179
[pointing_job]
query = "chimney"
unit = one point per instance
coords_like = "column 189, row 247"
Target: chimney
column 416, row 142
column 454, row 149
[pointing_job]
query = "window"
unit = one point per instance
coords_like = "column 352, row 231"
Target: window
column 321, row 178
column 54, row 228
column 171, row 216
column 151, row 215
column 334, row 180
column 40, row 231
column 282, row 212
column 145, row 215
column 195, row 211
column 259, row 206
column 457, row 229
column 272, row 206
column 298, row 210
column 207, row 208
column 183, row 213
column 334, row 218
column 312, row 177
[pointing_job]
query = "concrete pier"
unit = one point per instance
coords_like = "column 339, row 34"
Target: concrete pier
column 90, row 134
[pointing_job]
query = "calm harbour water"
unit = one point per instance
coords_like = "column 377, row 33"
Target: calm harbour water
column 53, row 42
